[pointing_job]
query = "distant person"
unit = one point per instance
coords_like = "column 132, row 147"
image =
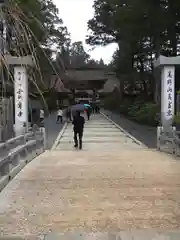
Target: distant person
column 88, row 113
column 41, row 115
column 78, row 123
column 97, row 109
column 68, row 114
column 93, row 107
column 60, row 116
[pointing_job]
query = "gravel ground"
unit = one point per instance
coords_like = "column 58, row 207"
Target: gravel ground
column 93, row 191
column 80, row 191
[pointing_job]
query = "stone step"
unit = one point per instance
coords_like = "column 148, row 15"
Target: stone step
column 100, row 139
column 97, row 134
column 99, row 126
column 93, row 146
column 112, row 130
column 96, row 122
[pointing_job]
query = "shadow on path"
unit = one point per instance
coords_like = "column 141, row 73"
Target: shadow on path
column 145, row 134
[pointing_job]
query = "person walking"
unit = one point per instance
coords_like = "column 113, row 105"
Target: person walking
column 97, row 108
column 78, row 123
column 59, row 116
column 41, row 116
column 94, row 108
column 88, row 113
column 68, row 114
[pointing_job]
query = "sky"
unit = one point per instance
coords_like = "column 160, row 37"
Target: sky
column 75, row 15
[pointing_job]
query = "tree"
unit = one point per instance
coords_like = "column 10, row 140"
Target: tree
column 43, row 20
column 63, row 58
column 142, row 30
column 101, row 26
column 34, row 27
column 78, row 56
column 74, row 56
column 101, row 63
column 33, row 24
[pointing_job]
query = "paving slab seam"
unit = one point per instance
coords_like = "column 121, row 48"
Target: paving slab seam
column 124, row 131
column 59, row 136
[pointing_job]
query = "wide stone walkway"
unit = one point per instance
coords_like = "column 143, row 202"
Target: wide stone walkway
column 99, row 135
column 113, row 185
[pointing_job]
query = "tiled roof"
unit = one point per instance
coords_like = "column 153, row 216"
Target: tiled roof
column 110, row 79
column 86, row 75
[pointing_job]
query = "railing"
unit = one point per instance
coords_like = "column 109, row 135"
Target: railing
column 168, row 140
column 17, row 152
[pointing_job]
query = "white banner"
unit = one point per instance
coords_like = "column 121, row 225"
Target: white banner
column 168, row 91
column 21, row 95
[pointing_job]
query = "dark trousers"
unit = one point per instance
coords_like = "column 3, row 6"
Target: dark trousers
column 78, row 134
column 69, row 117
column 88, row 115
column 59, row 119
column 41, row 122
column 97, row 109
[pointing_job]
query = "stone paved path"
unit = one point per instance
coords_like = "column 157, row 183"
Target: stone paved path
column 112, row 185
column 99, row 134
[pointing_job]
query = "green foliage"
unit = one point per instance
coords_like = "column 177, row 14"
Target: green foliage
column 147, row 114
column 34, row 27
column 43, row 20
column 176, row 119
column 142, row 29
column 78, row 55
column 112, row 101
column 75, row 56
column 144, row 113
